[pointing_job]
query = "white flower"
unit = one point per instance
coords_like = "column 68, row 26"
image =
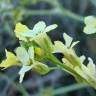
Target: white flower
column 90, row 25
column 23, row 32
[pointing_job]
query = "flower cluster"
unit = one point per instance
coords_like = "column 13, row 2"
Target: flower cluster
column 74, row 64
column 33, row 44
column 36, row 48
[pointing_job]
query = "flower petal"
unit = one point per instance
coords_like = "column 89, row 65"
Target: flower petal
column 19, row 29
column 74, row 43
column 31, row 53
column 22, row 72
column 50, row 27
column 59, row 47
column 89, row 30
column 90, row 21
column 68, row 39
column 11, row 60
column 91, row 66
column 82, row 58
column 39, row 27
column 22, row 55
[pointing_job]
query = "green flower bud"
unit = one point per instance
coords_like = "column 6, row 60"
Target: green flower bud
column 39, row 52
column 41, row 68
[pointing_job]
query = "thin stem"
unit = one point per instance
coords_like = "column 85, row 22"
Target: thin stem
column 70, row 88
column 62, row 12
column 19, row 87
column 64, row 67
column 39, row 12
column 57, row 9
column 54, row 68
column 72, row 15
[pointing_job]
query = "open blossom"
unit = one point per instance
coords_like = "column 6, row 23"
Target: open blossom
column 74, row 64
column 36, row 47
column 19, row 29
column 90, row 25
column 28, row 62
column 11, row 60
column 37, row 34
column 25, row 57
column 23, row 32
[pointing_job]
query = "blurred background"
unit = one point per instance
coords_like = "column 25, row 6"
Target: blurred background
column 69, row 15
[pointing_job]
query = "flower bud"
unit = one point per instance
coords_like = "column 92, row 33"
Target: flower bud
column 39, row 52
column 41, row 68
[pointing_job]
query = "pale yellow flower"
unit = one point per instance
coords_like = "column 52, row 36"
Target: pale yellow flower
column 10, row 60
column 90, row 25
column 19, row 29
column 23, row 32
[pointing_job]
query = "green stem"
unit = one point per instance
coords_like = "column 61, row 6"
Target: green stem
column 57, row 9
column 54, row 60
column 54, row 68
column 64, row 12
column 39, row 12
column 72, row 15
column 70, row 88
column 19, row 87
column 64, row 67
